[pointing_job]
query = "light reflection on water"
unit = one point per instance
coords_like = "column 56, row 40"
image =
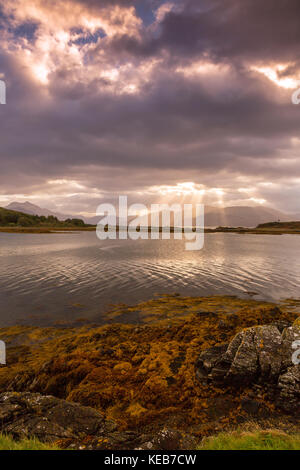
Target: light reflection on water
column 63, row 276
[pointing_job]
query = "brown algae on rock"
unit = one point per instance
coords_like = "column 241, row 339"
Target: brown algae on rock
column 144, row 375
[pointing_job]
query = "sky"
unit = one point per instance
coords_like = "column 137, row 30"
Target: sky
column 163, row 101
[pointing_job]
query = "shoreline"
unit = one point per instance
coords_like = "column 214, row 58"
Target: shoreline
column 157, row 374
column 237, row 230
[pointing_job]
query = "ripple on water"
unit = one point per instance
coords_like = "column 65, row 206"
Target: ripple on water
column 47, row 273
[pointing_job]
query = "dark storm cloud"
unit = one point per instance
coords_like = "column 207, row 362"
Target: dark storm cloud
column 180, row 125
column 224, row 29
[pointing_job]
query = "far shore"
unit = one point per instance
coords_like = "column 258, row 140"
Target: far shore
column 239, row 230
column 38, row 230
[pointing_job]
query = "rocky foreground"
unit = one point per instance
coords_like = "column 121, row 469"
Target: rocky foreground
column 199, row 366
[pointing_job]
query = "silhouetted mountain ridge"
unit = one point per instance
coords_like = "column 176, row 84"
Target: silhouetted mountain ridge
column 233, row 216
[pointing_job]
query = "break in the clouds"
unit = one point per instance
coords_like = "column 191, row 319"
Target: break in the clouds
column 155, row 99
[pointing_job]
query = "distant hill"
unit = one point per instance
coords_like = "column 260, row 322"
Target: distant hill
column 234, row 216
column 32, row 209
column 242, row 216
column 9, row 218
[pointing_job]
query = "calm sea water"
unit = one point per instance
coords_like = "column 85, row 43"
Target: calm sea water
column 45, row 278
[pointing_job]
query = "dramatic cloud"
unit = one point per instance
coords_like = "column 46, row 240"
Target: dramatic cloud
column 150, row 98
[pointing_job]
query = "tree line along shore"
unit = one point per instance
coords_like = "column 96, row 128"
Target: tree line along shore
column 19, row 222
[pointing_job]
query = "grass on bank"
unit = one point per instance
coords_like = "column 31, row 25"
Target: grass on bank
column 259, row 440
column 8, row 443
column 237, row 440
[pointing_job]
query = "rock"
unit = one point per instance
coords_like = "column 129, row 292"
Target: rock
column 289, row 336
column 168, row 439
column 206, row 314
column 252, row 407
column 48, row 418
column 209, row 360
column 51, row 419
column 223, row 325
column 256, row 355
column 281, row 325
column 289, row 386
column 253, row 353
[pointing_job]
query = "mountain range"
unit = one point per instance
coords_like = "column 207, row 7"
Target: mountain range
column 244, row 216
column 234, row 216
column 32, row 209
